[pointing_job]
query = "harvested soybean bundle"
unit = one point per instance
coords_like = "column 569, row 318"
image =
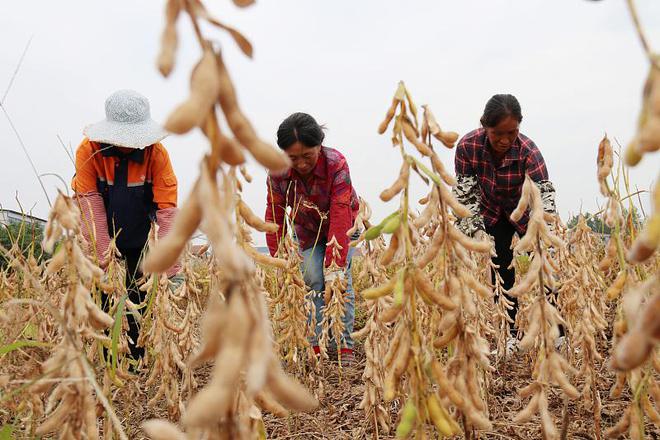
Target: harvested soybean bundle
column 584, row 309
column 334, row 309
column 290, row 308
column 160, row 330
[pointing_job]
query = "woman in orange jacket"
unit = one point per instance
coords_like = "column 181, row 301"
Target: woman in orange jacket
column 124, row 181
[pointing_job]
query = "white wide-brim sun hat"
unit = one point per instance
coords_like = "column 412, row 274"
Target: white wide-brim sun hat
column 127, row 122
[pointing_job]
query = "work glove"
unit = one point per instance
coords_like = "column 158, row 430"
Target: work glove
column 330, row 275
column 482, row 235
column 176, row 281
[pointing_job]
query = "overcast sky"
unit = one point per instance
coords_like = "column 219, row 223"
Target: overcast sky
column 576, row 67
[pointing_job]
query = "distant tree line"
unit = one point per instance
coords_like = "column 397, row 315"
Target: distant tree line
column 26, row 235
column 597, row 222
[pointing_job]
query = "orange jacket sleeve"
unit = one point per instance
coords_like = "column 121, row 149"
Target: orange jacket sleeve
column 84, row 180
column 163, row 178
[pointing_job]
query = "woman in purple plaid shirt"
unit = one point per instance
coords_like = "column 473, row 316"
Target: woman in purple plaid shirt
column 491, row 163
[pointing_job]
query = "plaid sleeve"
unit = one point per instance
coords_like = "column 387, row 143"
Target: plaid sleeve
column 275, row 208
column 535, row 165
column 463, row 162
column 341, row 218
column 538, row 172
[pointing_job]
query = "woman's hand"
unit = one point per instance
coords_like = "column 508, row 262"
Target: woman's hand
column 330, row 275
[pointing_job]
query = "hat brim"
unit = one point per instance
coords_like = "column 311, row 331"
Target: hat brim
column 138, row 135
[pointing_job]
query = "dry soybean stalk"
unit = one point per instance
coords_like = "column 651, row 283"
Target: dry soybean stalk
column 236, row 330
column 649, row 239
column 159, row 337
column 246, row 371
column 584, row 308
column 291, row 305
column 544, row 319
column 647, row 140
column 289, row 301
column 375, row 333
column 334, row 300
column 71, row 405
column 409, row 362
column 115, row 287
column 462, row 328
column 641, row 306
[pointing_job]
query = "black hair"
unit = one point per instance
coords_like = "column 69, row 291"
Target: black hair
column 499, row 107
column 300, row 127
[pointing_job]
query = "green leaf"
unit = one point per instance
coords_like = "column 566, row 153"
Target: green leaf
column 373, row 232
column 398, row 287
column 20, row 344
column 6, row 432
column 116, row 329
column 436, row 179
column 30, row 331
column 392, row 225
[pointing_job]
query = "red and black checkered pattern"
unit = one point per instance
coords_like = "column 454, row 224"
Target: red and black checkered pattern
column 500, row 184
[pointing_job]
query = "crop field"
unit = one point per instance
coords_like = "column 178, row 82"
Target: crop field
column 227, row 351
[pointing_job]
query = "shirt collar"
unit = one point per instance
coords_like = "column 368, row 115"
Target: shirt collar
column 137, row 155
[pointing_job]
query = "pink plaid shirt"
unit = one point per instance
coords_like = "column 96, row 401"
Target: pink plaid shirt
column 324, row 205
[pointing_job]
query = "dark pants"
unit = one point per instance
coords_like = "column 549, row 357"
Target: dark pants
column 503, row 232
column 133, row 274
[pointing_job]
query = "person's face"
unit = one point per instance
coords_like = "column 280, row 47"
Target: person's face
column 303, row 158
column 502, row 136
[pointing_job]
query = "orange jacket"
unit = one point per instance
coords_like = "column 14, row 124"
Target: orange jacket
column 93, row 167
column 125, row 191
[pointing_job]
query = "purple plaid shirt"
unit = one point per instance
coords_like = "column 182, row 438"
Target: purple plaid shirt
column 500, row 184
column 324, row 205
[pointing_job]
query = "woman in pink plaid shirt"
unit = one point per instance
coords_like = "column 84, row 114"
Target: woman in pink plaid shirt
column 318, row 188
column 491, row 164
